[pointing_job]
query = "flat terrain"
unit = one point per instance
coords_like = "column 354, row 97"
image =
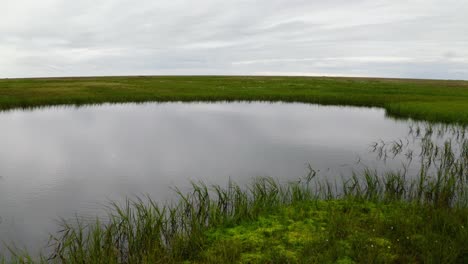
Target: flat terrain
column 369, row 218
column 432, row 100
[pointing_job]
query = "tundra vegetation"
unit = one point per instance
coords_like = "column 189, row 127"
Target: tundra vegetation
column 402, row 216
column 430, row 100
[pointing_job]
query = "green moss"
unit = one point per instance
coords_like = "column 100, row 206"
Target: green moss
column 340, row 231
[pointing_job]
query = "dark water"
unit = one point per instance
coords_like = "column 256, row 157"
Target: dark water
column 62, row 161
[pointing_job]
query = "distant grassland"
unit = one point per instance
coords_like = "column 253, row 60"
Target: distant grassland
column 431, row 100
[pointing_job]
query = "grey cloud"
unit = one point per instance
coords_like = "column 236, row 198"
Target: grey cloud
column 420, row 39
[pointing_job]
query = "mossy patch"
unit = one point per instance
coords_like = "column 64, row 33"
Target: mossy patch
column 338, row 231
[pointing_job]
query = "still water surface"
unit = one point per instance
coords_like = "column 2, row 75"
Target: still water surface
column 66, row 161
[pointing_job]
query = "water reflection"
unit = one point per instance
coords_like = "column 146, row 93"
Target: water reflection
column 56, row 162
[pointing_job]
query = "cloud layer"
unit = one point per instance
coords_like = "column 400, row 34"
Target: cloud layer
column 400, row 38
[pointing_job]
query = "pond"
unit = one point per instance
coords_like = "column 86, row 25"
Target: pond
column 60, row 162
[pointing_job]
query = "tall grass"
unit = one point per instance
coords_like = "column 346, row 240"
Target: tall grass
column 144, row 231
column 441, row 154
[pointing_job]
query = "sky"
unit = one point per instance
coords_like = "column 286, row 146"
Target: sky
column 376, row 38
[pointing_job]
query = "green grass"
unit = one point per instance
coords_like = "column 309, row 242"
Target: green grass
column 431, row 100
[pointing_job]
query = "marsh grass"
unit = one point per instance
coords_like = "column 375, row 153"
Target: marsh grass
column 370, row 217
column 430, row 100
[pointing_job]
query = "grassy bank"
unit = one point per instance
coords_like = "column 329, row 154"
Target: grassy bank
column 344, row 231
column 443, row 101
column 368, row 218
column 270, row 223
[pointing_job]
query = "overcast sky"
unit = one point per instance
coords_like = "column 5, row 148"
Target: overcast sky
column 392, row 38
